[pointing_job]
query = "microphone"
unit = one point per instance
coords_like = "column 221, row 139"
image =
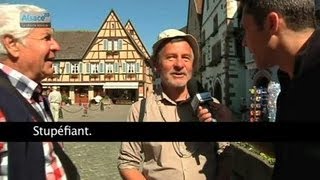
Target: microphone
column 201, row 97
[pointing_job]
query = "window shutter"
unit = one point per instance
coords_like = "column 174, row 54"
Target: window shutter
column 101, row 67
column 137, row 67
column 67, row 68
column 59, row 69
column 88, row 68
column 80, row 67
column 124, row 67
column 105, row 44
column 115, row 45
column 119, row 44
column 115, row 67
column 109, row 47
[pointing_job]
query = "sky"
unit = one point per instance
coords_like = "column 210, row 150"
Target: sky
column 149, row 17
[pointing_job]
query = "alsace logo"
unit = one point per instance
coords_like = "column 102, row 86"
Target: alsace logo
column 35, row 20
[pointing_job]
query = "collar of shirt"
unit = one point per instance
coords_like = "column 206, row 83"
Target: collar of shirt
column 23, row 84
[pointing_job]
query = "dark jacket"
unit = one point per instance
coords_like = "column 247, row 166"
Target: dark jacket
column 26, row 159
column 298, row 103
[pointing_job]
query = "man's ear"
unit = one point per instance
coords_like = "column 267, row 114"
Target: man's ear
column 156, row 67
column 272, row 22
column 11, row 45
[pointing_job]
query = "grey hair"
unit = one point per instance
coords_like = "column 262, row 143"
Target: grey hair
column 10, row 22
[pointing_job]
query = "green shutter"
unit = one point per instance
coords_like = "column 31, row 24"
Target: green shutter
column 101, row 67
column 119, row 44
column 58, row 68
column 67, row 68
column 80, row 67
column 124, row 67
column 105, row 44
column 137, row 67
column 115, row 67
column 88, row 68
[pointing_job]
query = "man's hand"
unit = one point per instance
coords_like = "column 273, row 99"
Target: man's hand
column 204, row 115
column 220, row 112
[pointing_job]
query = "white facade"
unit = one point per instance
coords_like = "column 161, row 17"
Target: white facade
column 223, row 73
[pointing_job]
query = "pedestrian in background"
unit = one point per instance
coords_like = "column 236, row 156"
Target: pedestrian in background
column 55, row 100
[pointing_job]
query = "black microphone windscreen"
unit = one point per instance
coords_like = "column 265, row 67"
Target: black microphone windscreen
column 194, row 87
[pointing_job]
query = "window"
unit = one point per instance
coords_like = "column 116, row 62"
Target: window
column 216, row 53
column 94, row 68
column 56, row 68
column 215, row 24
column 112, row 45
column 109, row 67
column 75, row 68
column 131, row 67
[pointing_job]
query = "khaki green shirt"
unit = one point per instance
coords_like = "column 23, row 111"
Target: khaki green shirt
column 168, row 160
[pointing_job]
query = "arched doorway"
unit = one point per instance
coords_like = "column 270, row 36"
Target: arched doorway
column 217, row 92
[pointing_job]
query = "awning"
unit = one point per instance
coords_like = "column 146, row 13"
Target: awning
column 120, row 85
column 72, row 84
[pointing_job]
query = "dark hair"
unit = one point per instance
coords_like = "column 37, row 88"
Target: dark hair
column 298, row 14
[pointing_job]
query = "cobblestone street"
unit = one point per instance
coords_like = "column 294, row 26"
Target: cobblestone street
column 95, row 160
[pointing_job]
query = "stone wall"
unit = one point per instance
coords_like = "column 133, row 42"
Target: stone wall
column 249, row 166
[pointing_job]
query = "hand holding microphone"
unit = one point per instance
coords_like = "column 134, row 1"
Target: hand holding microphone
column 207, row 108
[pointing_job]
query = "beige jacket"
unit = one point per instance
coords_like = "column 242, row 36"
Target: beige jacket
column 168, row 160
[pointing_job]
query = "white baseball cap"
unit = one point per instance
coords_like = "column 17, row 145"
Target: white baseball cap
column 55, row 87
column 172, row 34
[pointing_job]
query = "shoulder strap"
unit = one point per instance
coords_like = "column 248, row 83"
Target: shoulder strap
column 142, row 109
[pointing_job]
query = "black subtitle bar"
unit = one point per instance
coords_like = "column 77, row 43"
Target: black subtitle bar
column 153, row 131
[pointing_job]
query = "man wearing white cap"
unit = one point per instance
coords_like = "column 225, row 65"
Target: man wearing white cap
column 175, row 55
column 55, row 102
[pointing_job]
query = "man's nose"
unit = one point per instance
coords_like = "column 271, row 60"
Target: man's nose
column 55, row 45
column 179, row 62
